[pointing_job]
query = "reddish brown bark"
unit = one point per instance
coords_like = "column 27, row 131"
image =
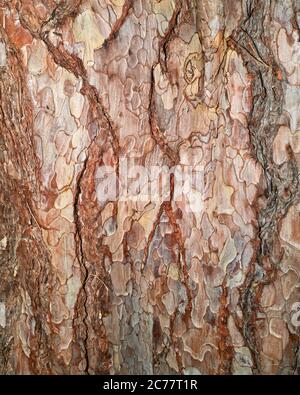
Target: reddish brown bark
column 206, row 284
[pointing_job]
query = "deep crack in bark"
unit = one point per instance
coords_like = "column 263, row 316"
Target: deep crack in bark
column 263, row 124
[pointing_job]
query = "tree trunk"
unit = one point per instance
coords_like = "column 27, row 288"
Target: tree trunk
column 149, row 200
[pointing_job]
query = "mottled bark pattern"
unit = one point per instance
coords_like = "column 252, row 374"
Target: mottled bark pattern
column 140, row 287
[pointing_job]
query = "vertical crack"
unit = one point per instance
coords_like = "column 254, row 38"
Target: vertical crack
column 128, row 4
column 281, row 180
column 81, row 258
column 225, row 343
column 74, row 64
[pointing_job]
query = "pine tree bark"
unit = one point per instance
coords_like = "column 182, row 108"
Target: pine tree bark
column 107, row 286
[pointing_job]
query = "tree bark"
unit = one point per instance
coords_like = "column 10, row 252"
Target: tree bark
column 97, row 283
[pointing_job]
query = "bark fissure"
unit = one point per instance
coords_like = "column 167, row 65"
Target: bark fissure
column 264, row 118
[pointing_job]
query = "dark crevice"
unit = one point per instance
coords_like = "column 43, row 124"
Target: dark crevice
column 264, row 121
column 75, row 65
column 80, row 256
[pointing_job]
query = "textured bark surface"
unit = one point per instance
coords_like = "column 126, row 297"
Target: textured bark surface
column 141, row 287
